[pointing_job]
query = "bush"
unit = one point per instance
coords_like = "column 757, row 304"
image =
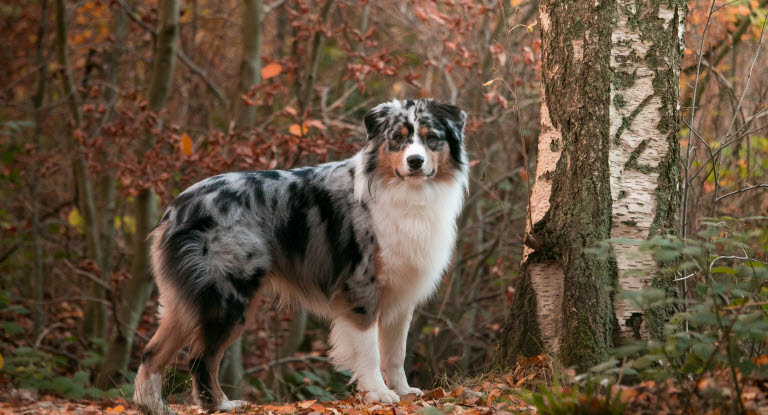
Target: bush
column 719, row 331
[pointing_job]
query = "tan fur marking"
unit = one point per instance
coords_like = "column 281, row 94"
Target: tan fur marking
column 171, row 302
column 442, row 161
column 388, row 162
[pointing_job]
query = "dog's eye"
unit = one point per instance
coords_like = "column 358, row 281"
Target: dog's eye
column 432, row 140
column 398, row 137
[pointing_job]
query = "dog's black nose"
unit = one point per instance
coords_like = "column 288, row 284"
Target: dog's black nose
column 415, row 161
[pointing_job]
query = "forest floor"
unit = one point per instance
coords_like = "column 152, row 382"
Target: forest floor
column 516, row 392
column 434, row 402
column 492, row 399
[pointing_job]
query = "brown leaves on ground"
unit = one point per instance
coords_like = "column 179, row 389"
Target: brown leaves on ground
column 434, row 402
column 712, row 393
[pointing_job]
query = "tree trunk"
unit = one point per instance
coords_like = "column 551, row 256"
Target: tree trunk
column 95, row 319
column 607, row 166
column 138, row 288
column 250, row 65
column 308, row 84
column 107, row 188
column 231, row 372
column 38, row 282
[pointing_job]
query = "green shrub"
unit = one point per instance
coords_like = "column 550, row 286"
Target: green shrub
column 722, row 317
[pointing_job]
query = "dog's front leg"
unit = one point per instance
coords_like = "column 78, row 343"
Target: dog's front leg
column 357, row 349
column 393, row 331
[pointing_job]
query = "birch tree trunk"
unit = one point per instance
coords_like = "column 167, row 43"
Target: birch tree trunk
column 136, row 290
column 607, row 166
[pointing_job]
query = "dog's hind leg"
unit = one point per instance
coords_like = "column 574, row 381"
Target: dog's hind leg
column 171, row 335
column 218, row 330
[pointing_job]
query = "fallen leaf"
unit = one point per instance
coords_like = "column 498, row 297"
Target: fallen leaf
column 306, row 404
column 525, row 379
column 491, row 396
column 438, row 393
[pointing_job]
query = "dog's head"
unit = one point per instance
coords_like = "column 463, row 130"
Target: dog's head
column 415, row 141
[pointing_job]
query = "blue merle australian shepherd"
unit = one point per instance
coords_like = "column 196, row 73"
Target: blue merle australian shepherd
column 360, row 241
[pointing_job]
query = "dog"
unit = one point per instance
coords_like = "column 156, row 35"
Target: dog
column 360, row 242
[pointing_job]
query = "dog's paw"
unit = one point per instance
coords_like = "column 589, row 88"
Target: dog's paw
column 227, row 405
column 409, row 391
column 381, row 396
column 155, row 409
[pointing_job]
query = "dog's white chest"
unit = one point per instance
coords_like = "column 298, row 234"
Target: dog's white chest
column 415, row 232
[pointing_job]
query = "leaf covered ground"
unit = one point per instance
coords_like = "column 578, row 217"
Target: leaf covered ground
column 516, row 392
column 437, row 401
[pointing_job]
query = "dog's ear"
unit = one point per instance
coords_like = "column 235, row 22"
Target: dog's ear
column 375, row 120
column 451, row 116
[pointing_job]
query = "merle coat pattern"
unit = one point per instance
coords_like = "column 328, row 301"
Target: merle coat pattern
column 360, row 241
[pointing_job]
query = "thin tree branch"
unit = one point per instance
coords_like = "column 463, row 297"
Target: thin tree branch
column 96, row 280
column 757, row 186
column 202, row 75
column 217, row 91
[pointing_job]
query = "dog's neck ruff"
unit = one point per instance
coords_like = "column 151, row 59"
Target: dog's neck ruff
column 415, row 227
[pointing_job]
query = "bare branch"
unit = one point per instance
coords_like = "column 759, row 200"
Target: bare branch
column 757, row 186
column 217, row 92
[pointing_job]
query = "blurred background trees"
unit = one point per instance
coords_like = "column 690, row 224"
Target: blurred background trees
column 110, row 108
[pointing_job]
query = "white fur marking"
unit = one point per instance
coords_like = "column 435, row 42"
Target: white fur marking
column 358, row 350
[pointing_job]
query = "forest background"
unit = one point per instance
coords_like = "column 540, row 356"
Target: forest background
column 91, row 147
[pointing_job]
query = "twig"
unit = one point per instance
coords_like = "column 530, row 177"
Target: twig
column 742, row 190
column 179, row 53
column 684, row 213
column 96, row 280
column 45, row 332
column 202, row 75
column 5, row 255
column 738, row 107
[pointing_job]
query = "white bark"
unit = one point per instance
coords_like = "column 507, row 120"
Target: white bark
column 634, row 114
